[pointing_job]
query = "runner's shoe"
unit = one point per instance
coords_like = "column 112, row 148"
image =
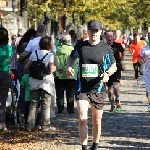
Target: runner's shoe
column 112, row 109
column 148, row 108
column 118, row 106
column 93, row 148
column 138, row 84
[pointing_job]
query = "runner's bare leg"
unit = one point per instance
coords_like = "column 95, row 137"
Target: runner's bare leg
column 82, row 106
column 96, row 121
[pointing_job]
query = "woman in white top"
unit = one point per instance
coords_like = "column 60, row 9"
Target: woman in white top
column 41, row 88
column 145, row 58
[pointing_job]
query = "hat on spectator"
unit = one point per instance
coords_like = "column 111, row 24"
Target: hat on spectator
column 94, row 24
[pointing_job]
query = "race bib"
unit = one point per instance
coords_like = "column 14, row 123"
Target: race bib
column 89, row 70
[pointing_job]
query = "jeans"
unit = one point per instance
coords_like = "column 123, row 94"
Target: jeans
column 45, row 108
column 4, row 87
column 21, row 101
column 26, row 113
column 52, row 112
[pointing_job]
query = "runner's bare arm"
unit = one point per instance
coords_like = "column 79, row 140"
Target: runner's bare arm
column 123, row 56
column 112, row 69
column 108, row 73
column 52, row 67
column 123, row 46
column 145, row 43
column 27, row 66
column 23, row 55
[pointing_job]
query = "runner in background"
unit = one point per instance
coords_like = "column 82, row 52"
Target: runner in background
column 129, row 40
column 135, row 50
column 147, row 38
column 145, row 57
column 114, row 80
column 124, row 37
column 119, row 39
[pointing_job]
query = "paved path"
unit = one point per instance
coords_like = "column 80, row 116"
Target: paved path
column 126, row 130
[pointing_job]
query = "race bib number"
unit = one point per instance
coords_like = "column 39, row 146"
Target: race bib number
column 89, row 70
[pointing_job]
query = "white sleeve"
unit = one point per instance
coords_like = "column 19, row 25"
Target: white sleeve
column 28, row 48
column 51, row 59
column 53, row 49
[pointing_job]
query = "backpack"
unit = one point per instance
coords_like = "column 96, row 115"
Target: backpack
column 37, row 69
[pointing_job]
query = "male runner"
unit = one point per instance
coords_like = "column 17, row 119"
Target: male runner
column 114, row 80
column 96, row 64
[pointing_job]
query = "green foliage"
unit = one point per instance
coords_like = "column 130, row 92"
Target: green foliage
column 112, row 13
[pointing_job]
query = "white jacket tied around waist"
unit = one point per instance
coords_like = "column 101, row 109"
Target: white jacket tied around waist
column 46, row 84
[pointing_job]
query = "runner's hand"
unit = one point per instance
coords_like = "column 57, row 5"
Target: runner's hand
column 123, row 45
column 132, row 52
column 105, row 77
column 70, row 72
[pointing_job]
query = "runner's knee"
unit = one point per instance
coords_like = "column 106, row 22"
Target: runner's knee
column 82, row 120
column 110, row 95
column 116, row 86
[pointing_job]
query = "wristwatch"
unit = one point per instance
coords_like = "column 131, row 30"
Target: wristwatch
column 107, row 73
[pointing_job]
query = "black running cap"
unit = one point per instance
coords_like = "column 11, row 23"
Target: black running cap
column 94, row 24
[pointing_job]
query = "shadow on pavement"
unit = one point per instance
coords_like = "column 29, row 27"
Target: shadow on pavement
column 120, row 131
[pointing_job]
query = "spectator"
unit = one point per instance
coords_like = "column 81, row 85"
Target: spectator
column 13, row 62
column 41, row 88
column 5, row 54
column 62, row 81
column 29, row 35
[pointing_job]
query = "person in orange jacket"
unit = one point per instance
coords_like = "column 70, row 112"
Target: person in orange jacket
column 135, row 49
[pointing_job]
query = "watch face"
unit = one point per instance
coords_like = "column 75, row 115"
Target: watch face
column 107, row 73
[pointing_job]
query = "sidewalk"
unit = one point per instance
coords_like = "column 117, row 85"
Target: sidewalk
column 126, row 130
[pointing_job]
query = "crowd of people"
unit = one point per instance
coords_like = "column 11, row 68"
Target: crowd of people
column 81, row 65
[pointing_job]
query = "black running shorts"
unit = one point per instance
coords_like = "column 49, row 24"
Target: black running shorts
column 97, row 99
column 114, row 78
